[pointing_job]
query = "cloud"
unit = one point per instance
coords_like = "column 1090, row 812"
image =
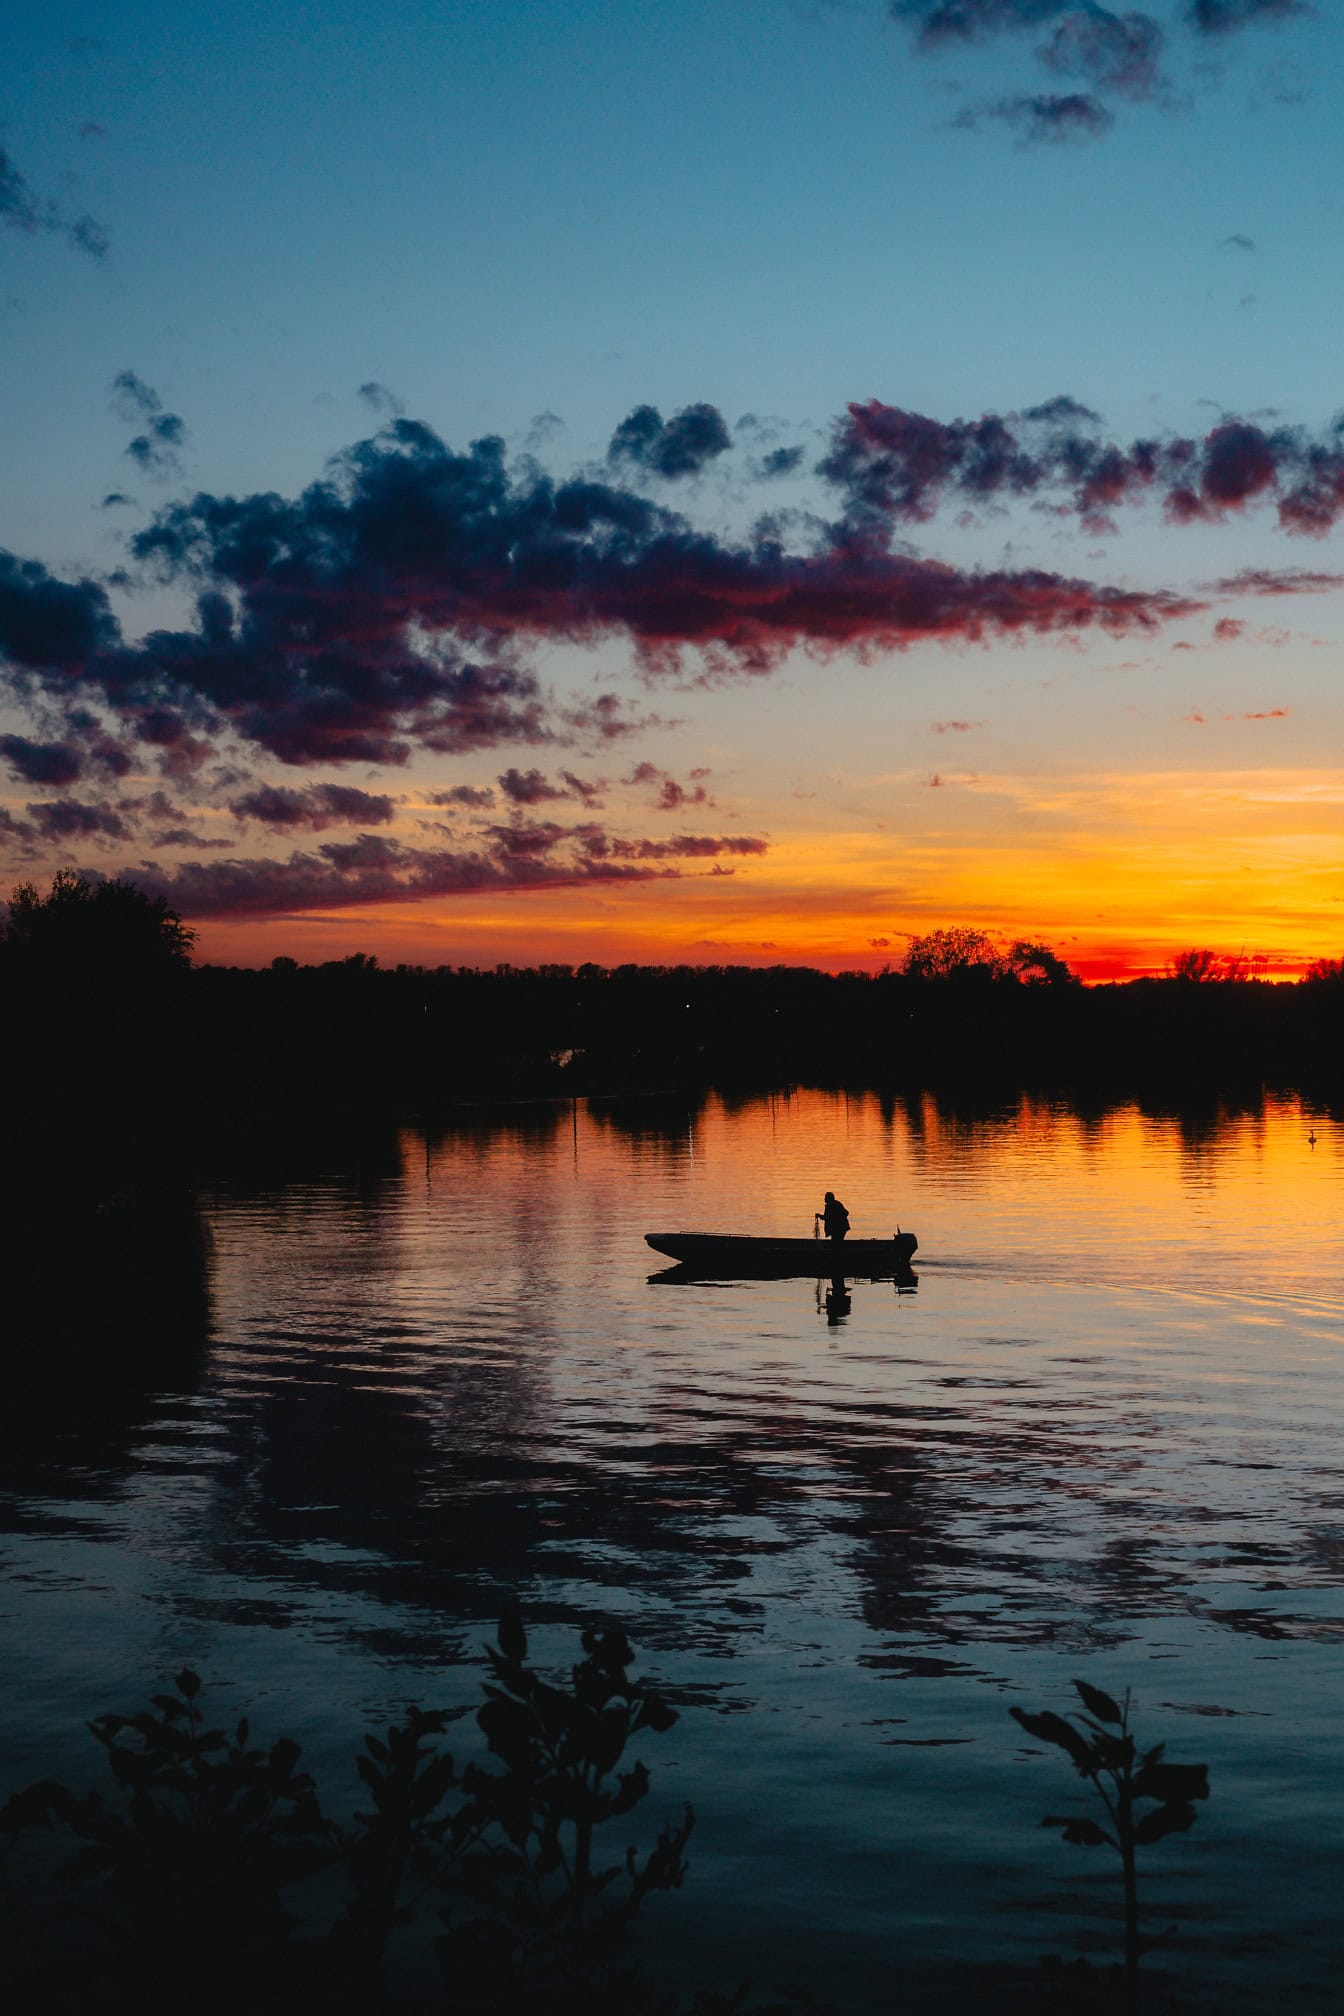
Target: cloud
column 335, row 627
column 893, row 465
column 778, row 462
column 529, row 788
column 532, row 787
column 42, row 762
column 1278, row 581
column 589, row 790
column 69, row 819
column 319, row 806
column 477, row 797
column 670, row 796
column 1061, row 408
column 697, row 846
column 379, row 400
column 378, row 869
column 1113, row 52
column 940, row 22
column 681, row 446
column 1046, row 118
column 955, row 727
column 51, row 626
column 1237, row 241
column 22, row 210
column 1229, row 17
column 1269, row 714
column 155, row 449
column 611, row 718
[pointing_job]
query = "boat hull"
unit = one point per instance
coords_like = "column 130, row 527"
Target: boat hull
column 727, row 1253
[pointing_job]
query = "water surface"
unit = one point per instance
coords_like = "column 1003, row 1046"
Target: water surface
column 1101, row 1439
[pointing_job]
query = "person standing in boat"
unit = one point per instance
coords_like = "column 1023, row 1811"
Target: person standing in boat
column 834, row 1217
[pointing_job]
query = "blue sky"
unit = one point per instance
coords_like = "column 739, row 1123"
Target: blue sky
column 496, row 214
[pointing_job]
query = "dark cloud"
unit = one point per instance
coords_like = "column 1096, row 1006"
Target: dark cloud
column 681, row 446
column 379, row 400
column 588, row 789
column 673, row 796
column 529, row 787
column 155, row 449
column 1046, row 118
column 42, row 762
column 476, row 797
column 1061, row 408
column 685, row 846
column 1278, row 581
column 779, row 462
column 1114, row 52
column 335, row 627
column 22, row 210
column 18, row 836
column 378, row 870
column 183, row 836
column 940, row 22
column 321, row 805
column 51, row 626
column 532, row 787
column 115, row 497
column 1228, row 17
column 611, row 719
column 670, row 796
column 527, row 838
column 895, row 466
column 1237, row 241
column 542, row 429
column 69, row 819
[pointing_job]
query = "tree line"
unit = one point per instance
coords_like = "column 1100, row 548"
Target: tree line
column 97, row 981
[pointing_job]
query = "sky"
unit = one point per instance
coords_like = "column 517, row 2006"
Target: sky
column 605, row 480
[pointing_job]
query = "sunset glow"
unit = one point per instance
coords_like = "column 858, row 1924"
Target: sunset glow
column 579, row 579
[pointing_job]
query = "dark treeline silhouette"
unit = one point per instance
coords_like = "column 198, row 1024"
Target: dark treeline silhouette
column 110, row 1031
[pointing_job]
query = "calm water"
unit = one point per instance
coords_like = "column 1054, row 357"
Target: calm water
column 1102, row 1439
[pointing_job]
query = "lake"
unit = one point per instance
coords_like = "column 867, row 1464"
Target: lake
column 1101, row 1439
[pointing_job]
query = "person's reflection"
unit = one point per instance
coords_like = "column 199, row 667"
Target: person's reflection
column 838, row 1302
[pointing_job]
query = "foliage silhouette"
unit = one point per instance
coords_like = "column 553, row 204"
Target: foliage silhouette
column 192, row 1862
column 193, row 1859
column 554, row 1919
column 1144, row 1797
column 88, row 929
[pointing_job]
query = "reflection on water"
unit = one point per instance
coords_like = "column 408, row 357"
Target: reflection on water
column 847, row 1526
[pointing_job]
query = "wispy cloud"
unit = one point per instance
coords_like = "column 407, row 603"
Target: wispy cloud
column 23, row 210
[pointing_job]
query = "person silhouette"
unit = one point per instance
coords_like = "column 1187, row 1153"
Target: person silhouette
column 834, row 1217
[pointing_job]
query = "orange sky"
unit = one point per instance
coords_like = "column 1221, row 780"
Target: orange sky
column 1117, row 870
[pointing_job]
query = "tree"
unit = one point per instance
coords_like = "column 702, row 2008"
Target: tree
column 1198, row 965
column 953, row 954
column 86, row 930
column 1037, row 966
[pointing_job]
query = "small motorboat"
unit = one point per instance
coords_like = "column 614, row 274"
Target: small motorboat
column 738, row 1253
